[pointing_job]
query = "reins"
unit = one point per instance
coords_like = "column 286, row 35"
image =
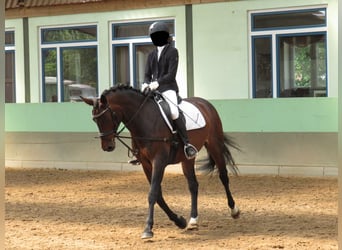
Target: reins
column 134, row 152
column 120, row 137
column 135, row 114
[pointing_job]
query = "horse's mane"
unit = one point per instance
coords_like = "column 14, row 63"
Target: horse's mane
column 121, row 87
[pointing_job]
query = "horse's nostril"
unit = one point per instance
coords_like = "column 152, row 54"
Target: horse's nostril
column 110, row 148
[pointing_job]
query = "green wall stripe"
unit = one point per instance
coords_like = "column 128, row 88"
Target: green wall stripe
column 49, row 117
column 278, row 115
column 240, row 115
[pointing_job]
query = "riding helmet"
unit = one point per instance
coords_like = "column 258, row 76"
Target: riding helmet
column 159, row 33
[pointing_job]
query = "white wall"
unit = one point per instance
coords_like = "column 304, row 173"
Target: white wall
column 221, row 49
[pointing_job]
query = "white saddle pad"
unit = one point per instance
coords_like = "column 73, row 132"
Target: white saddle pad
column 193, row 117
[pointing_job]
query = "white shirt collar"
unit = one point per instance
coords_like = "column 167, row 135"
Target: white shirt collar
column 160, row 49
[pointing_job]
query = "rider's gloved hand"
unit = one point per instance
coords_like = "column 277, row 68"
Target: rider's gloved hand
column 154, row 85
column 145, row 88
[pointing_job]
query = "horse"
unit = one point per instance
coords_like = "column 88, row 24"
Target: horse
column 155, row 146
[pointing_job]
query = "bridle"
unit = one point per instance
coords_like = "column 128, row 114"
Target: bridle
column 96, row 116
column 117, row 134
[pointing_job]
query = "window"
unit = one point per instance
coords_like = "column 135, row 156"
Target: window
column 288, row 53
column 9, row 67
column 69, row 63
column 131, row 45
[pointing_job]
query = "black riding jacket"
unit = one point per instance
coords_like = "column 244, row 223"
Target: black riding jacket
column 164, row 71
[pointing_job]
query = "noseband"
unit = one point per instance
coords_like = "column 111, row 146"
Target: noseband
column 95, row 117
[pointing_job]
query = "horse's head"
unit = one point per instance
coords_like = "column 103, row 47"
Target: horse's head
column 106, row 121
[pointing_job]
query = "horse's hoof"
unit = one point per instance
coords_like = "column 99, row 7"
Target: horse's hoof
column 192, row 225
column 236, row 216
column 180, row 222
column 147, row 235
column 235, row 213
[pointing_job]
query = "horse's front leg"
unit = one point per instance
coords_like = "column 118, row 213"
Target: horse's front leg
column 189, row 172
column 178, row 220
column 154, row 194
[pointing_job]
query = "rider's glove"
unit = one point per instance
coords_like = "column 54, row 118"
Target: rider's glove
column 145, row 88
column 154, row 85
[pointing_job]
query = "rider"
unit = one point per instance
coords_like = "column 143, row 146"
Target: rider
column 160, row 74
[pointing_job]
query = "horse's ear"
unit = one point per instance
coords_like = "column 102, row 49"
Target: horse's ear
column 103, row 100
column 88, row 101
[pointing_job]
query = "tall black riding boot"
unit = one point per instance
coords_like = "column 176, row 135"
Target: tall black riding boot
column 189, row 150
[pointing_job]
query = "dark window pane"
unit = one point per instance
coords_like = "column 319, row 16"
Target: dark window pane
column 288, row 19
column 9, row 77
column 141, row 54
column 50, row 91
column 121, row 64
column 133, row 30
column 79, row 73
column 302, row 65
column 9, row 38
column 262, row 67
column 72, row 34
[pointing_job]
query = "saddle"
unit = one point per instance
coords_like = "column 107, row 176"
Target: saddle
column 190, row 113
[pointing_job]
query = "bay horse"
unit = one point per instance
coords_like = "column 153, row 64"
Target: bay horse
column 154, row 145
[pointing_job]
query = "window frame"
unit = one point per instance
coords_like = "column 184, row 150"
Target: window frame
column 278, row 37
column 253, row 75
column 275, row 33
column 11, row 48
column 132, row 42
column 291, row 11
column 59, row 46
column 114, row 56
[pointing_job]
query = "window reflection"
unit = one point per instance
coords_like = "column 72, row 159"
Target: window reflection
column 10, row 67
column 9, row 77
column 287, row 19
column 69, row 60
column 302, row 66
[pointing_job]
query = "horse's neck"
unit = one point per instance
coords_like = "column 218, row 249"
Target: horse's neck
column 136, row 112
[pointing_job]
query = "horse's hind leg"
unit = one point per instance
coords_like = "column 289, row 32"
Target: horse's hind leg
column 218, row 157
column 189, row 172
column 235, row 212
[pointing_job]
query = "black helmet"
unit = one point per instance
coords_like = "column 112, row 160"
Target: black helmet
column 158, row 27
column 159, row 33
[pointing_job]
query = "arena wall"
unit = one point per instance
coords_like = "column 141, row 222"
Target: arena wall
column 292, row 148
column 309, row 154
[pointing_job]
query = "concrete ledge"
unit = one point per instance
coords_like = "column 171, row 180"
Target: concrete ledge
column 301, row 171
column 176, row 168
column 261, row 170
column 259, row 155
column 290, row 170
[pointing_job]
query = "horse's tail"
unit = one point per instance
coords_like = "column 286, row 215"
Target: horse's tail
column 209, row 165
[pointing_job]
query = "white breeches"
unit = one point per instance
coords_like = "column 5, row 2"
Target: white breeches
column 171, row 98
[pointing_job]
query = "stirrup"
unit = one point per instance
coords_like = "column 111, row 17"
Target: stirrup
column 134, row 162
column 190, row 151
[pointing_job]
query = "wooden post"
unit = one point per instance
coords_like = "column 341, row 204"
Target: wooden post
column 339, row 162
column 2, row 125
